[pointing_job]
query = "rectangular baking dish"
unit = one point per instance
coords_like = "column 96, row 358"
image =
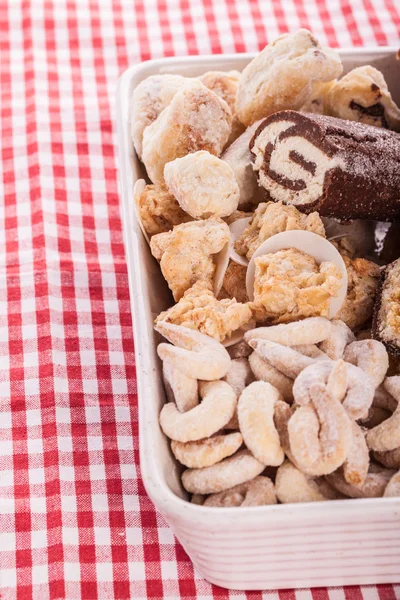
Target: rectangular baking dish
column 336, row 543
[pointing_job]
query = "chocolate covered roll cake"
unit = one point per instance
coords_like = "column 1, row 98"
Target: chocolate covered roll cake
column 340, row 168
column 386, row 318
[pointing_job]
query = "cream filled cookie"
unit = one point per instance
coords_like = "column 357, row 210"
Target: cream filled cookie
column 362, row 95
column 289, row 285
column 188, row 253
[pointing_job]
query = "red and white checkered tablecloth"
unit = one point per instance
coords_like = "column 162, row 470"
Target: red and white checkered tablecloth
column 75, row 521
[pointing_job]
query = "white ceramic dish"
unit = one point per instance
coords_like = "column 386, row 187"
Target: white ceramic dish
column 339, row 543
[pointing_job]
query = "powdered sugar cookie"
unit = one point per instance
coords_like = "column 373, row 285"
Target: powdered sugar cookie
column 256, row 492
column 195, row 119
column 356, row 465
column 390, row 458
column 204, row 420
column 203, row 185
column 293, row 486
column 224, row 84
column 207, row 452
column 320, row 434
column 282, row 76
column 393, row 487
column 239, row 375
column 149, row 99
column 256, row 422
column 285, row 359
column 236, row 469
column 306, row 332
column 370, row 356
column 238, row 157
column 264, row 371
column 271, row 218
column 180, row 388
column 347, row 383
column 194, row 354
column 386, row 435
column 374, row 486
column 340, row 335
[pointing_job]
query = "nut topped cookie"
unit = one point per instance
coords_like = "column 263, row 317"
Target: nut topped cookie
column 199, row 309
column 271, row 218
column 289, row 285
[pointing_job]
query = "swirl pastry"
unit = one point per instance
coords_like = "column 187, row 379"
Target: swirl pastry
column 342, row 169
column 386, row 318
column 362, row 95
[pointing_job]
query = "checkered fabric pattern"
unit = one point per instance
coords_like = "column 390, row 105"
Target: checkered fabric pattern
column 75, row 521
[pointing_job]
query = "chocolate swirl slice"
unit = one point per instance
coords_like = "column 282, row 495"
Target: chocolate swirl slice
column 342, row 169
column 386, row 317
